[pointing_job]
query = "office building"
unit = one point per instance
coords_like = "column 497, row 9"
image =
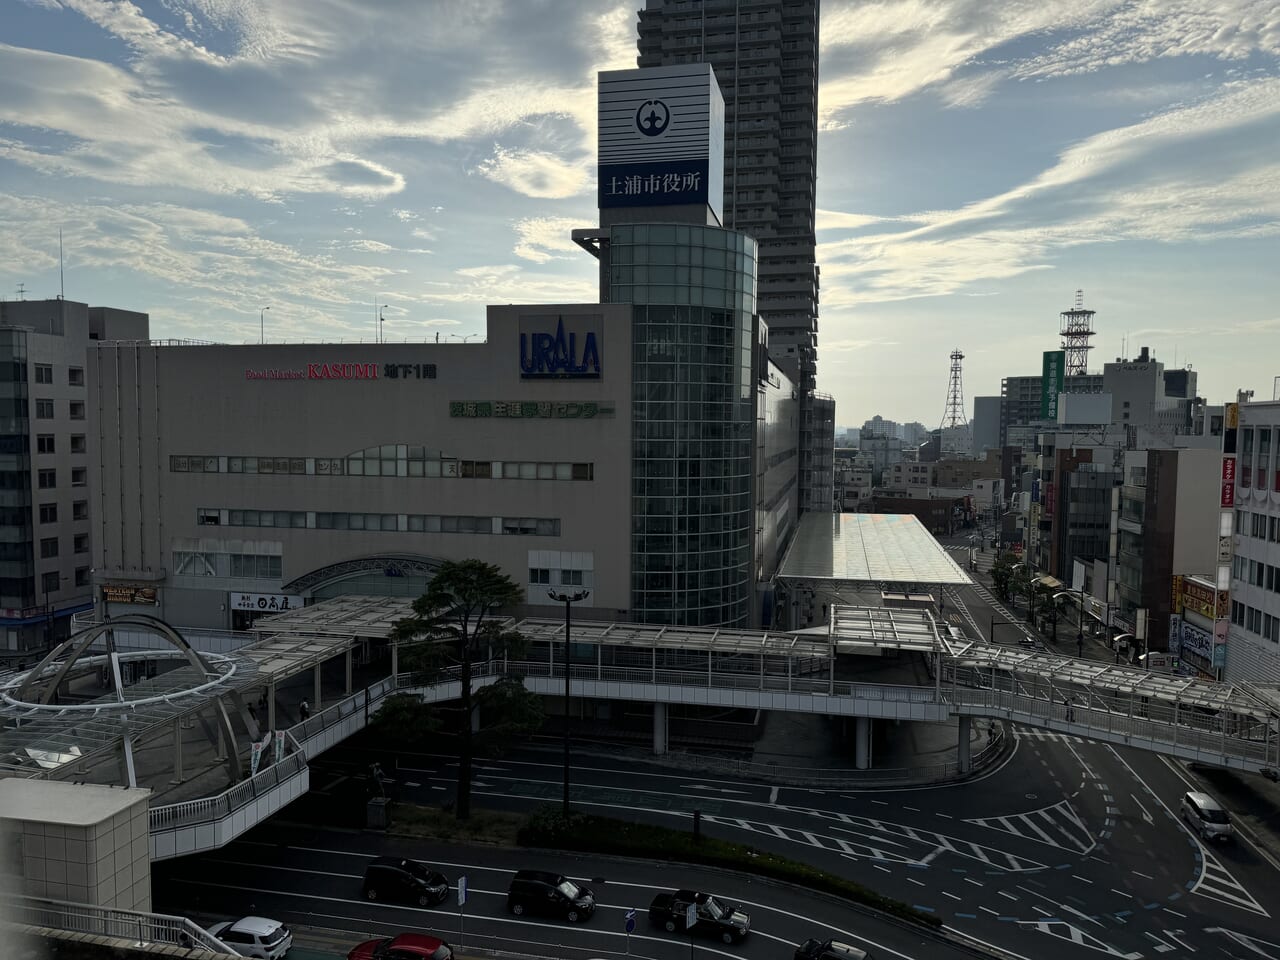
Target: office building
column 47, row 473
column 1253, row 645
column 986, row 425
column 765, row 56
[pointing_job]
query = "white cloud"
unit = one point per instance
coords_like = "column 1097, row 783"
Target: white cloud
column 535, row 174
column 546, row 238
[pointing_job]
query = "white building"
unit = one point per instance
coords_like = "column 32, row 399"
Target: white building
column 1253, row 644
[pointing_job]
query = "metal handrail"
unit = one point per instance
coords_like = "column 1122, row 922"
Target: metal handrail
column 133, row 925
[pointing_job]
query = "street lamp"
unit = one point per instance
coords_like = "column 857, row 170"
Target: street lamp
column 262, row 325
column 568, row 599
column 48, row 611
column 381, row 321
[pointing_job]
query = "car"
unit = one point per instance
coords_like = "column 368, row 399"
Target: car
column 715, row 918
column 405, row 946
column 550, row 894
column 1206, row 816
column 255, row 937
column 813, row 949
column 395, row 878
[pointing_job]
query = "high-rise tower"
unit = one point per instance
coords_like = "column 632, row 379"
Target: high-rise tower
column 954, row 416
column 765, row 57
column 1077, row 328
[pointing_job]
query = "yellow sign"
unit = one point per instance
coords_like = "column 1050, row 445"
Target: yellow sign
column 1233, row 415
column 128, row 593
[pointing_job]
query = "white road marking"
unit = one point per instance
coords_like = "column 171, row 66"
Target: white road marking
column 1144, row 876
column 773, row 795
column 1146, row 816
column 951, row 895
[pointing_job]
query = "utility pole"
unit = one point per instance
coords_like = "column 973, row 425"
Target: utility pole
column 568, row 599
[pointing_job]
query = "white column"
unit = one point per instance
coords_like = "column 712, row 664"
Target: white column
column 315, row 705
column 659, row 729
column 965, row 761
column 348, row 664
column 177, row 751
column 862, row 743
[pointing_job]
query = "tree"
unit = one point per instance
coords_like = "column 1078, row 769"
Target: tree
column 1002, row 575
column 454, row 625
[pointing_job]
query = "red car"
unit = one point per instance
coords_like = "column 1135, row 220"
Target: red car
column 406, row 946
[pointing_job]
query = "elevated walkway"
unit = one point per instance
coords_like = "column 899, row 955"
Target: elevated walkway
column 814, row 671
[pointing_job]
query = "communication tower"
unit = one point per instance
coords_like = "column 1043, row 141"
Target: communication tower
column 954, row 417
column 1077, row 328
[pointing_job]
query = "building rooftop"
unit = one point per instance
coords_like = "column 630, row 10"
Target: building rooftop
column 70, row 804
column 868, row 547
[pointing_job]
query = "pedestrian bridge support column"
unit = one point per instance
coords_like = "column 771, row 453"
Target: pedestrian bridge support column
column 862, row 743
column 659, row 729
column 965, row 760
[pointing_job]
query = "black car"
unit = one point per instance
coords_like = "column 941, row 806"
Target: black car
column 829, row 950
column 551, row 895
column 715, row 918
column 395, row 878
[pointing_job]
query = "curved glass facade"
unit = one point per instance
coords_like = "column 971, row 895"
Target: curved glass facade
column 693, row 290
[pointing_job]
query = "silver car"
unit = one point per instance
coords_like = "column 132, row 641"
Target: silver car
column 1206, row 816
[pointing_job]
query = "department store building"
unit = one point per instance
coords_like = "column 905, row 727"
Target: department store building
column 643, row 447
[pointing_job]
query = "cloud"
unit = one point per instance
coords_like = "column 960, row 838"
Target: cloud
column 546, row 238
column 534, row 174
column 509, row 283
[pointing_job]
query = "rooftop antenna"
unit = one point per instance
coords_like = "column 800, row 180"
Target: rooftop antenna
column 1077, row 328
column 62, row 286
column 22, row 291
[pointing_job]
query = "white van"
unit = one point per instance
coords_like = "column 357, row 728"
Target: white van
column 1206, row 816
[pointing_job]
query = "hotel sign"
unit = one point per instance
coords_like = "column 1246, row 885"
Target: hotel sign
column 128, row 593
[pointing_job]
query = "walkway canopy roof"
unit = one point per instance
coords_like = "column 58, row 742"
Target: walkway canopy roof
column 879, row 548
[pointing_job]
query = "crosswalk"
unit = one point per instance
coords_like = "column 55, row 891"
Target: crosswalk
column 1217, row 883
column 1031, row 733
column 1057, row 825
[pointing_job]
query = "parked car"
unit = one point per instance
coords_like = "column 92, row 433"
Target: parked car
column 395, row 878
column 715, row 918
column 829, row 950
column 1205, row 816
column 255, row 937
column 406, row 946
column 550, row 894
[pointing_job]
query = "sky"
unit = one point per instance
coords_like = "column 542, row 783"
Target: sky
column 978, row 163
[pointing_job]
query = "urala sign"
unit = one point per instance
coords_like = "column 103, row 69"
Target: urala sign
column 560, row 347
column 661, row 137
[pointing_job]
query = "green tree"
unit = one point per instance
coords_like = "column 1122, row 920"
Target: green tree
column 455, row 625
column 1002, row 575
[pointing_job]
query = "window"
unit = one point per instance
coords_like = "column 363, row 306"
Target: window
column 75, row 376
column 44, row 409
column 206, row 517
column 47, row 479
column 48, row 513
column 539, row 575
column 78, row 443
column 80, row 510
column 48, row 548
column 571, row 578
column 82, row 576
column 79, row 476
column 50, row 582
column 77, row 409
column 44, row 373
column 44, row 443
column 80, row 544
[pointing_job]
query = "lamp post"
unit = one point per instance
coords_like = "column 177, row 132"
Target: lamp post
column 48, row 612
column 1080, row 629
column 262, row 325
column 568, row 599
column 381, row 321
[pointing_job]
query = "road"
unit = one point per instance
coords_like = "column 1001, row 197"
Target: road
column 311, row 877
column 1070, row 847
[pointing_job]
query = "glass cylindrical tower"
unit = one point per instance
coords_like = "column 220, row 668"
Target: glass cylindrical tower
column 693, row 291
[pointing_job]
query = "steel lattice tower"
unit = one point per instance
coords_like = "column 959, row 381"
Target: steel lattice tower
column 1077, row 328
column 954, row 417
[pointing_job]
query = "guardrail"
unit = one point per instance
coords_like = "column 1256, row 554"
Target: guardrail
column 132, row 925
column 362, row 701
column 208, row 809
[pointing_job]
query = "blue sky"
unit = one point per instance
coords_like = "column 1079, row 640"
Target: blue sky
column 978, row 162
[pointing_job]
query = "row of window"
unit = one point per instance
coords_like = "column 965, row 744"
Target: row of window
column 48, row 479
column 388, row 466
column 1257, row 573
column 254, row 566
column 44, row 409
column 44, row 374
column 49, row 548
column 45, row 443
column 566, row 578
column 1258, row 525
column 382, row 522
column 1259, row 476
column 1255, row 621
column 49, row 511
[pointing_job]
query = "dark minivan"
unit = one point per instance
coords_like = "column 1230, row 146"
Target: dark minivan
column 395, row 878
column 550, row 894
